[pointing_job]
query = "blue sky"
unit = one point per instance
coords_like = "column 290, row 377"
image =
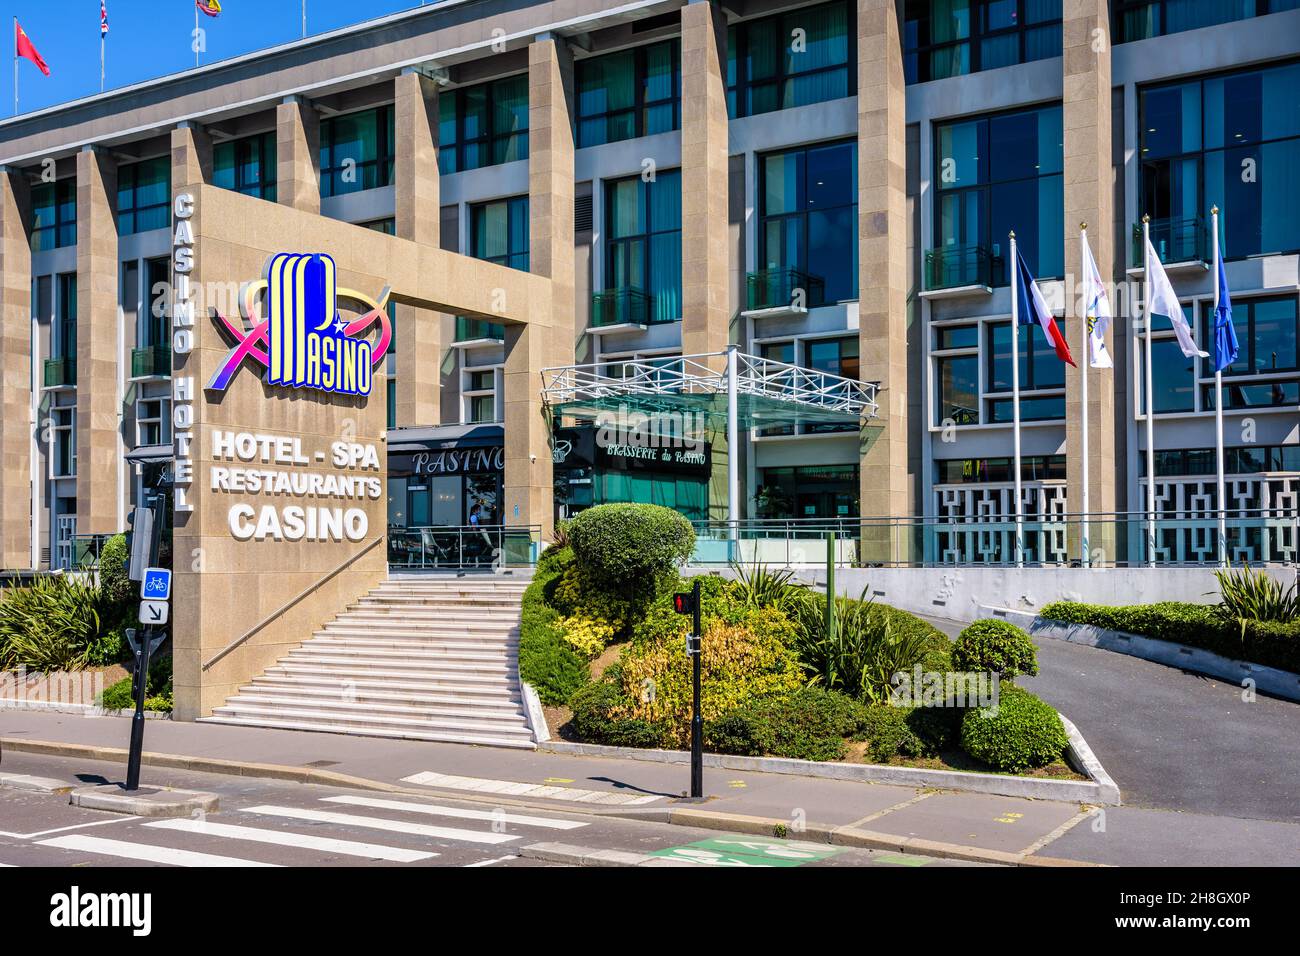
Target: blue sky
column 151, row 38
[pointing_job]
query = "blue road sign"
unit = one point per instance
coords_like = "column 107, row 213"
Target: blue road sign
column 156, row 585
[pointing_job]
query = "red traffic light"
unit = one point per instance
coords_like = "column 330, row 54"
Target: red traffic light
column 684, row 603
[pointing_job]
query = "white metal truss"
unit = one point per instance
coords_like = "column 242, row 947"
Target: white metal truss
column 706, row 374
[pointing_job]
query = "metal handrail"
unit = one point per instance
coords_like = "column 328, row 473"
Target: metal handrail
column 315, row 586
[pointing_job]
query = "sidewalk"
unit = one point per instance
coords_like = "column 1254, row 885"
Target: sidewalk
column 993, row 826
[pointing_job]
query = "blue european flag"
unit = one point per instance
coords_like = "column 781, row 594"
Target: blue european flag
column 1225, row 336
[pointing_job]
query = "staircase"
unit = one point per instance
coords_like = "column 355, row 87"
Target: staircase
column 425, row 658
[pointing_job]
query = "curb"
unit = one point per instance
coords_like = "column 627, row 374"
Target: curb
column 146, row 802
column 1099, row 790
column 536, row 716
column 82, row 710
column 585, row 856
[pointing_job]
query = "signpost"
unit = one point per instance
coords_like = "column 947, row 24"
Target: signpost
column 689, row 603
column 155, row 592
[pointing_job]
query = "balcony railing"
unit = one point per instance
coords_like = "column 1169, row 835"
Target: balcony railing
column 151, row 360
column 60, row 372
column 472, row 330
column 1174, row 240
column 789, row 288
column 463, row 546
column 622, row 307
column 954, row 267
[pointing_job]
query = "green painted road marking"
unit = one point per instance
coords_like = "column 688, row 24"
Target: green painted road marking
column 901, row 860
column 748, row 852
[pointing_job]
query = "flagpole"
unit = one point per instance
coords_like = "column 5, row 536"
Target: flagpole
column 1015, row 397
column 195, row 38
column 1218, row 406
column 1150, row 403
column 1083, row 396
column 15, row 66
column 101, row 61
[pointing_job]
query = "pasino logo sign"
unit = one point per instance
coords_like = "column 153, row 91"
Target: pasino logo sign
column 303, row 340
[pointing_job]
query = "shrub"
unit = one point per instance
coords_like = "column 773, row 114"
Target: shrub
column 758, row 586
column 596, row 719
column 1254, row 596
column 572, row 594
column 718, row 604
column 630, row 549
column 809, row 724
column 997, row 647
column 868, row 645
column 551, row 666
column 49, row 625
column 108, row 648
column 936, row 729
column 888, row 733
column 741, row 662
column 118, row 590
column 1023, row 732
column 1270, row 643
column 158, row 689
column 588, row 636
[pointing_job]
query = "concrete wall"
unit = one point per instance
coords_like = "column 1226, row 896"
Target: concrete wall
column 958, row 593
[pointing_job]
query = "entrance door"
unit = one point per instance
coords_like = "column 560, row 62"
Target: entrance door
column 65, row 529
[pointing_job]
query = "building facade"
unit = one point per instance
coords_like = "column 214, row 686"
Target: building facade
column 826, row 185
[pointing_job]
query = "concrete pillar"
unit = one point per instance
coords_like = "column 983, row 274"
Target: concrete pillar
column 98, row 411
column 882, row 268
column 1089, row 197
column 706, row 299
column 548, row 339
column 550, row 186
column 15, row 372
column 191, row 155
column 418, row 218
column 297, row 151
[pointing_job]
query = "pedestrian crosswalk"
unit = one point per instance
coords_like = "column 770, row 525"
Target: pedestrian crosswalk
column 514, row 788
column 330, row 827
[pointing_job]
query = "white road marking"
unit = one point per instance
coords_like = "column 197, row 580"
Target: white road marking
column 11, row 866
column 437, row 811
column 368, row 851
column 77, row 826
column 445, row 781
column 381, row 823
column 146, row 852
column 500, row 859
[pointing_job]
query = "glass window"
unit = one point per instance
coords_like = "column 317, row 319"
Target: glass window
column 998, row 174
column 356, row 151
column 628, row 94
column 154, row 326
column 643, row 225
column 1266, row 333
column 54, row 215
column 483, row 125
column 1039, row 366
column 246, row 166
column 499, row 232
column 957, row 337
column 144, row 196
column 1173, row 386
column 943, row 38
column 1141, row 19
column 1231, row 141
column 808, row 209
column 795, row 59
column 958, row 471
column 958, row 390
column 65, row 333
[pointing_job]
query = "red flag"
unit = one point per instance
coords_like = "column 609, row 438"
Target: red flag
column 23, row 47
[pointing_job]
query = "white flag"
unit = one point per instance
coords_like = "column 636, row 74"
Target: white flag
column 1096, row 306
column 1162, row 300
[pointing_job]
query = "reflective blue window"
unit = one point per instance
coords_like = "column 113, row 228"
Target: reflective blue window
column 802, row 57
column 643, row 229
column 144, row 195
column 628, row 94
column 246, row 166
column 943, row 38
column 1140, row 19
column 483, row 125
column 54, row 215
column 357, row 151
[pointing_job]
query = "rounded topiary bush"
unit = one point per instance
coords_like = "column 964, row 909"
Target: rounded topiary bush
column 630, row 548
column 118, row 590
column 1021, row 733
column 997, row 647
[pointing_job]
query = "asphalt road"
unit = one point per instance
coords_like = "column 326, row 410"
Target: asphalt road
column 266, row 822
column 1172, row 739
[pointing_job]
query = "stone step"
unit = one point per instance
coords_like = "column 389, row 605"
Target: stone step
column 450, row 737
column 363, row 667
column 250, row 698
column 395, row 640
column 333, row 714
column 432, row 626
column 261, row 687
column 469, row 685
column 415, row 653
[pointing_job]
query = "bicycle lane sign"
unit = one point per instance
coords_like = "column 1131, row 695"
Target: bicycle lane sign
column 748, row 852
column 156, row 585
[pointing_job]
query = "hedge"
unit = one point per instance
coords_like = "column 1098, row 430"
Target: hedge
column 1270, row 643
column 546, row 660
column 630, row 549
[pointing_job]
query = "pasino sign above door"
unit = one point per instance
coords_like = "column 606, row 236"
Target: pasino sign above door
column 302, row 338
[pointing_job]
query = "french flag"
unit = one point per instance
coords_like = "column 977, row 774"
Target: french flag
column 1033, row 310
